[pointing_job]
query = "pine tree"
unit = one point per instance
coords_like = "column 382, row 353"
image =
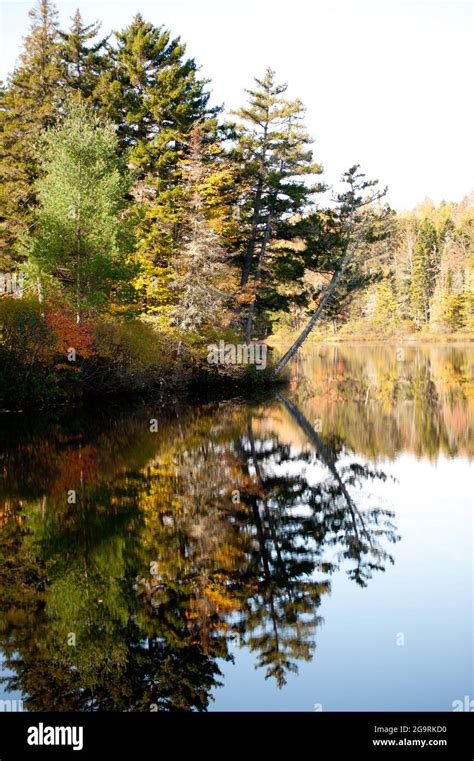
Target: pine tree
column 83, row 60
column 29, row 104
column 276, row 159
column 362, row 222
column 76, row 245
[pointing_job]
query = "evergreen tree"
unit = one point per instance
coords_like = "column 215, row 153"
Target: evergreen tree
column 274, row 151
column 361, row 222
column 77, row 240
column 29, row 104
column 423, row 272
column 83, row 59
column 153, row 95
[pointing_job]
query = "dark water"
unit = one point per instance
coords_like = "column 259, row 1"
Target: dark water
column 312, row 551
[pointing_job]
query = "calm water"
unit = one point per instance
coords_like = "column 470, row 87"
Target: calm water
column 309, row 551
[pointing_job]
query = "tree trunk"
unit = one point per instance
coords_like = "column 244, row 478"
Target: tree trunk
column 315, row 317
column 78, row 294
column 253, row 235
column 258, row 272
column 39, row 288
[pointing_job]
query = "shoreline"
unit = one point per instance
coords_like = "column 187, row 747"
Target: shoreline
column 409, row 338
column 194, row 391
column 220, row 386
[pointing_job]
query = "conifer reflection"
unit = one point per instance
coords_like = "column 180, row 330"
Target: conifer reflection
column 207, row 535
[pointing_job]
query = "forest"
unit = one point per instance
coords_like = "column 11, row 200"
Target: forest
column 140, row 225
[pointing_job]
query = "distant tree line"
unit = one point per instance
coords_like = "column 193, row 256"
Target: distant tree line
column 427, row 282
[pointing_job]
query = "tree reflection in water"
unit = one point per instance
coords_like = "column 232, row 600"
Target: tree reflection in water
column 192, row 539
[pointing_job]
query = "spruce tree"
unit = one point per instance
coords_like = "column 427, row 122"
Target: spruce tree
column 83, row 57
column 154, row 95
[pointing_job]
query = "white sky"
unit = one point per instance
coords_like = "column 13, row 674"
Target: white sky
column 386, row 84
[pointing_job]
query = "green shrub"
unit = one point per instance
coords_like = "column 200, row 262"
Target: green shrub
column 24, row 349
column 128, row 355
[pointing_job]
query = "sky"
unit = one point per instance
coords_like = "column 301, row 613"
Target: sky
column 386, row 84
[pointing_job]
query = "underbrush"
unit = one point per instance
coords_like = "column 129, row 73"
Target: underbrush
column 46, row 357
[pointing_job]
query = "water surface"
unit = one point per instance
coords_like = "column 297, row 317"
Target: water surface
column 309, row 551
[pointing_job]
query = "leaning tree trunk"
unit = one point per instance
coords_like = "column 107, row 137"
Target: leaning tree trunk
column 315, row 317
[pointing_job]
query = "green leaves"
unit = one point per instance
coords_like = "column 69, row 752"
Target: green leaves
column 80, row 194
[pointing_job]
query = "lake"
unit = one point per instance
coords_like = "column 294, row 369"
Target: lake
column 307, row 550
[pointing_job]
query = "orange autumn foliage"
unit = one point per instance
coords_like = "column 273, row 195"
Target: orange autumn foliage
column 67, row 332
